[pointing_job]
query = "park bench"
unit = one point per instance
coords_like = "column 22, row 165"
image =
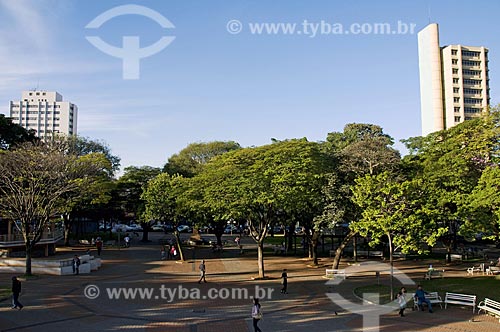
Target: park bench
column 489, row 306
column 461, row 299
column 433, row 298
column 279, row 250
column 332, row 273
column 473, row 269
column 84, row 242
column 456, row 257
column 492, row 270
column 433, row 273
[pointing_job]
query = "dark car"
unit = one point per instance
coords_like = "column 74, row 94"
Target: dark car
column 168, row 228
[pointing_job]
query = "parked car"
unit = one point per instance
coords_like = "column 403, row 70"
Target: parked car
column 230, row 229
column 183, row 229
column 157, row 228
column 196, row 242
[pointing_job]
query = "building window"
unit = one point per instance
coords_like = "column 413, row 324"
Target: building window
column 472, row 110
column 453, row 52
column 472, row 91
column 455, row 71
column 456, row 99
column 457, row 119
column 455, row 81
column 454, row 61
column 471, row 72
column 471, row 63
column 470, row 53
column 457, row 109
column 456, row 90
column 472, row 82
column 473, row 101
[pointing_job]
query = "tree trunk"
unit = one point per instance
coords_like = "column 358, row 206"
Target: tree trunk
column 291, row 238
column 179, row 245
column 338, row 252
column 28, row 260
column 391, row 261
column 260, row 258
column 67, row 228
column 218, row 232
column 145, row 231
column 355, row 248
column 314, row 245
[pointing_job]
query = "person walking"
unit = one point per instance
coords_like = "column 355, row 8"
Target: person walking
column 284, row 276
column 98, row 245
column 401, row 298
column 256, row 315
column 76, row 265
column 16, row 291
column 202, row 272
column 127, row 241
column 420, row 297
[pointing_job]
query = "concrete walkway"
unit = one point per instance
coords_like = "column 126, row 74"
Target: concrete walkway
column 58, row 303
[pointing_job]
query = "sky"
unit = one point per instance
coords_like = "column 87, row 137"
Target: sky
column 222, row 80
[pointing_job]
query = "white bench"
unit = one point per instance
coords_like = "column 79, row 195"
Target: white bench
column 433, row 298
column 332, row 273
column 490, row 306
column 433, row 273
column 492, row 270
column 456, row 257
column 471, row 270
column 461, row 299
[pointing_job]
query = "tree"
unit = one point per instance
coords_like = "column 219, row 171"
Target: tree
column 33, row 179
column 450, row 164
column 359, row 150
column 160, row 196
column 128, row 192
column 98, row 191
column 190, row 160
column 12, row 134
column 392, row 211
column 257, row 184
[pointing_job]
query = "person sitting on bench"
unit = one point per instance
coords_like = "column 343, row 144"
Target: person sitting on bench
column 420, row 298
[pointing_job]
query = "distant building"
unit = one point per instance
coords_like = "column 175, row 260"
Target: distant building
column 45, row 112
column 454, row 83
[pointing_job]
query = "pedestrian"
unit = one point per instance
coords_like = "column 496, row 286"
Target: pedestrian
column 173, row 251
column 256, row 314
column 163, row 253
column 401, row 298
column 16, row 291
column 284, row 276
column 420, row 297
column 202, row 272
column 98, row 245
column 167, row 250
column 127, row 241
column 76, row 265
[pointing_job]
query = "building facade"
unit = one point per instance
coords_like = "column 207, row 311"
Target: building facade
column 454, row 83
column 46, row 113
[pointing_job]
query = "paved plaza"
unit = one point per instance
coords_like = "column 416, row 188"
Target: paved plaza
column 58, row 303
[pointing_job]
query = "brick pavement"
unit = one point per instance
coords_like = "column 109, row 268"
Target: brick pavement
column 57, row 303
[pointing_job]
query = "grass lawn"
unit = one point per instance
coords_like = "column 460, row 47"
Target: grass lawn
column 480, row 286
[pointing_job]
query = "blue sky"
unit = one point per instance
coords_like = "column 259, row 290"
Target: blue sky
column 209, row 84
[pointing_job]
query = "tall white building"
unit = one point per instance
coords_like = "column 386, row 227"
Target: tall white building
column 45, row 112
column 454, row 83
